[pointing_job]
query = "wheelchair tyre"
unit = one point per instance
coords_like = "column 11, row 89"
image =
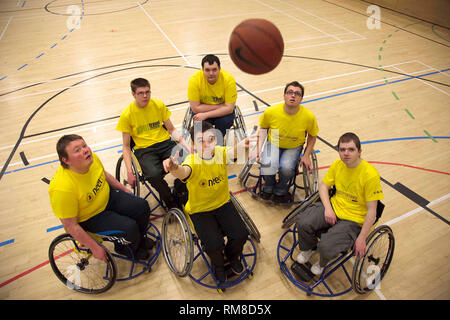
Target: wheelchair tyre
column 251, row 227
column 310, row 178
column 178, row 246
column 78, row 269
column 290, row 218
column 122, row 176
column 370, row 270
column 239, row 124
column 245, row 170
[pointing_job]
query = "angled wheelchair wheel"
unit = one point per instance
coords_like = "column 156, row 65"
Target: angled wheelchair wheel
column 251, row 227
column 122, row 176
column 178, row 246
column 370, row 270
column 289, row 220
column 186, row 125
column 311, row 178
column 239, row 124
column 78, row 269
column 245, row 170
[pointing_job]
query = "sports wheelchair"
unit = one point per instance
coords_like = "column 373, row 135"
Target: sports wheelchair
column 367, row 272
column 310, row 178
column 182, row 247
column 239, row 128
column 75, row 266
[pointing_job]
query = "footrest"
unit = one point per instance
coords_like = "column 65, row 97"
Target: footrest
column 302, row 271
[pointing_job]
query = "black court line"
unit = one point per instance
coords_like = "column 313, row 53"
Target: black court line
column 390, row 24
column 24, row 158
column 45, row 180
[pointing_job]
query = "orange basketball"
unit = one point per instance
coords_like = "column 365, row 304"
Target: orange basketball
column 256, row 46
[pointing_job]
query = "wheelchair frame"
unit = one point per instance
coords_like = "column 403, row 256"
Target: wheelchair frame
column 185, row 240
column 370, row 262
column 79, row 259
column 238, row 124
column 310, row 179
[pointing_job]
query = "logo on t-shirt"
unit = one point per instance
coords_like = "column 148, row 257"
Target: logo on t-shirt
column 89, row 197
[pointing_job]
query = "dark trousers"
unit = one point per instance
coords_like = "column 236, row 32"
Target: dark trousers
column 222, row 123
column 150, row 160
column 124, row 212
column 334, row 239
column 212, row 226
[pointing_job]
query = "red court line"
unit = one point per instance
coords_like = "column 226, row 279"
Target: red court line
column 235, row 192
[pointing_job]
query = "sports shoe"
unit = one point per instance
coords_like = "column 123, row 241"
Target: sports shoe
column 266, row 195
column 316, row 268
column 304, row 256
column 236, row 266
column 220, row 274
column 285, row 198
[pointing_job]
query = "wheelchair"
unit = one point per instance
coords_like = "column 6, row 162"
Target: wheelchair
column 75, row 266
column 367, row 271
column 239, row 128
column 253, row 182
column 122, row 176
column 182, row 247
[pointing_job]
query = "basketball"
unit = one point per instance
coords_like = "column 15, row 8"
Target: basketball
column 256, row 46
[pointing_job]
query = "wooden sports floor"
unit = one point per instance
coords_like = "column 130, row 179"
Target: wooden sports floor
column 66, row 67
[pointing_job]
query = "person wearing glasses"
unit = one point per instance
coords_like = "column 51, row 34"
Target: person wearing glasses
column 147, row 121
column 212, row 94
column 286, row 125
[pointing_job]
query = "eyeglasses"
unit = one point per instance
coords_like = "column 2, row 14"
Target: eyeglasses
column 291, row 92
column 143, row 93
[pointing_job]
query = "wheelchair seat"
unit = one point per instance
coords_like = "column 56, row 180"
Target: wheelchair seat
column 367, row 271
column 182, row 247
column 74, row 265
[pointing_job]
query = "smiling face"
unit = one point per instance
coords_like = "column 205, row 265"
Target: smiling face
column 79, row 156
column 211, row 72
column 349, row 154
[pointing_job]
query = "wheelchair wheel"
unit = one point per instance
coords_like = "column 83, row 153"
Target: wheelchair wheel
column 78, row 269
column 245, row 170
column 239, row 124
column 311, row 178
column 290, row 218
column 370, row 270
column 122, row 176
column 251, row 227
column 186, row 125
column 178, row 246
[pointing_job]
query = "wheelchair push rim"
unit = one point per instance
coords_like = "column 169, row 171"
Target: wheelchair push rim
column 76, row 267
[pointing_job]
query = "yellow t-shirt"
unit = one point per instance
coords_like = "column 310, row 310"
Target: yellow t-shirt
column 208, row 182
column 79, row 195
column 223, row 91
column 292, row 129
column 145, row 125
column 354, row 188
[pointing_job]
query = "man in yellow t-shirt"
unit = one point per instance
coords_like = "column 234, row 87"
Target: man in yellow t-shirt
column 287, row 125
column 212, row 94
column 85, row 197
column 209, row 205
column 348, row 216
column 147, row 122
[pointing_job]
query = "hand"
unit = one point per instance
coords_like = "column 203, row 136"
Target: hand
column 200, row 117
column 307, row 162
column 131, row 179
column 330, row 217
column 99, row 253
column 360, row 246
column 169, row 164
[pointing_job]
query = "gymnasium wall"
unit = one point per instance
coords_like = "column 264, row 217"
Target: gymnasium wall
column 433, row 11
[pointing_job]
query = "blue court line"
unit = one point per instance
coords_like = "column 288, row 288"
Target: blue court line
column 362, row 89
column 54, row 228
column 4, row 243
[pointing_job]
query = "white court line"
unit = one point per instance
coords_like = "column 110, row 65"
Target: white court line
column 425, row 82
column 320, row 18
column 440, row 72
column 164, row 34
column 4, row 29
column 243, row 94
column 412, row 212
column 298, row 20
